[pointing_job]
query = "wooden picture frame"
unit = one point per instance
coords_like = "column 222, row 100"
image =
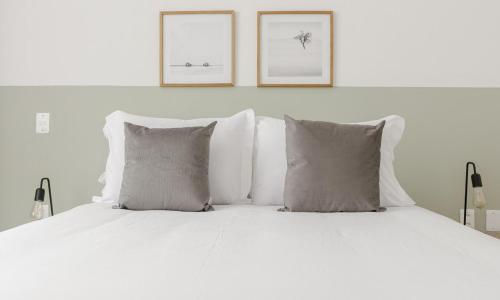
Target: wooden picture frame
column 310, row 73
column 167, row 76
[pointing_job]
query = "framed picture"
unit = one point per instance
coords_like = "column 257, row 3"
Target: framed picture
column 197, row 48
column 295, row 48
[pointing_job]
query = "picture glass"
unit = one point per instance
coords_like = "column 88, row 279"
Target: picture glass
column 197, row 49
column 295, row 49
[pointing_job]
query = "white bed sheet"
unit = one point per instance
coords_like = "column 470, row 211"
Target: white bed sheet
column 247, row 252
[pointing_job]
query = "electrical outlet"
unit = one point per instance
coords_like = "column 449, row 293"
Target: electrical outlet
column 42, row 123
column 470, row 217
column 492, row 220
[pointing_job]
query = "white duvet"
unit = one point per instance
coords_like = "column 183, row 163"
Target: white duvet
column 247, row 252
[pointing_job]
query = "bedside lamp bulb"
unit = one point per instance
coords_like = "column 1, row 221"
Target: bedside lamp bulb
column 477, row 190
column 40, row 208
column 479, row 199
column 36, row 212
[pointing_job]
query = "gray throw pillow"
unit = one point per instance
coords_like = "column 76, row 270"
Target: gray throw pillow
column 332, row 167
column 166, row 169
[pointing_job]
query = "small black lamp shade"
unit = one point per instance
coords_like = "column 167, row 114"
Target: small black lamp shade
column 39, row 194
column 477, row 189
column 39, row 207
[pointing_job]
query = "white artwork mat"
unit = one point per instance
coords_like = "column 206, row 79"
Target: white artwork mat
column 197, row 48
column 288, row 59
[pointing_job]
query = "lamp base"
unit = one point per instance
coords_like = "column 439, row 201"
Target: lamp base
column 470, row 220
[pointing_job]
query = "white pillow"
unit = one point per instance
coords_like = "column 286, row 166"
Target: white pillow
column 231, row 145
column 269, row 162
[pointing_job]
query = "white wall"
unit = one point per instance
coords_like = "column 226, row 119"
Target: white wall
column 377, row 43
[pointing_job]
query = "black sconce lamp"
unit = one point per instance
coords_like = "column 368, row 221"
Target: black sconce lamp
column 477, row 189
column 40, row 209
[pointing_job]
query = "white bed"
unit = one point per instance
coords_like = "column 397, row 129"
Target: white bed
column 247, row 252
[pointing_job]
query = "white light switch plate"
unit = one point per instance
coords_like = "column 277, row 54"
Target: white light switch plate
column 492, row 220
column 42, row 122
column 470, row 217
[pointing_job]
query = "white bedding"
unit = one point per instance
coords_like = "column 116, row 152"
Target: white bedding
column 247, row 252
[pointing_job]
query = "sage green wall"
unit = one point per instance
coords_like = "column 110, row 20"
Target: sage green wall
column 445, row 128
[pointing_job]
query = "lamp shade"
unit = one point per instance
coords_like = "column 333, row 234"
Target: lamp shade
column 39, row 194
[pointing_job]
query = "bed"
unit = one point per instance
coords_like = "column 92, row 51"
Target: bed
column 247, row 252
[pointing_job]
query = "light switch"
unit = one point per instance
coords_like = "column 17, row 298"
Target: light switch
column 492, row 220
column 42, row 122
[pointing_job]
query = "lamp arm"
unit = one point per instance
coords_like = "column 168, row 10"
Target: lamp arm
column 469, row 163
column 50, row 193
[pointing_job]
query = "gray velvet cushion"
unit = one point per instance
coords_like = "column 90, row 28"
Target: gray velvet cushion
column 166, row 169
column 332, row 167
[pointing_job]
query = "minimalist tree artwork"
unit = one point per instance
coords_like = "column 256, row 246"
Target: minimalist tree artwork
column 304, row 38
column 291, row 50
column 295, row 48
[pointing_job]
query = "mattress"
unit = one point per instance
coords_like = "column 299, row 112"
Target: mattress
column 247, row 252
